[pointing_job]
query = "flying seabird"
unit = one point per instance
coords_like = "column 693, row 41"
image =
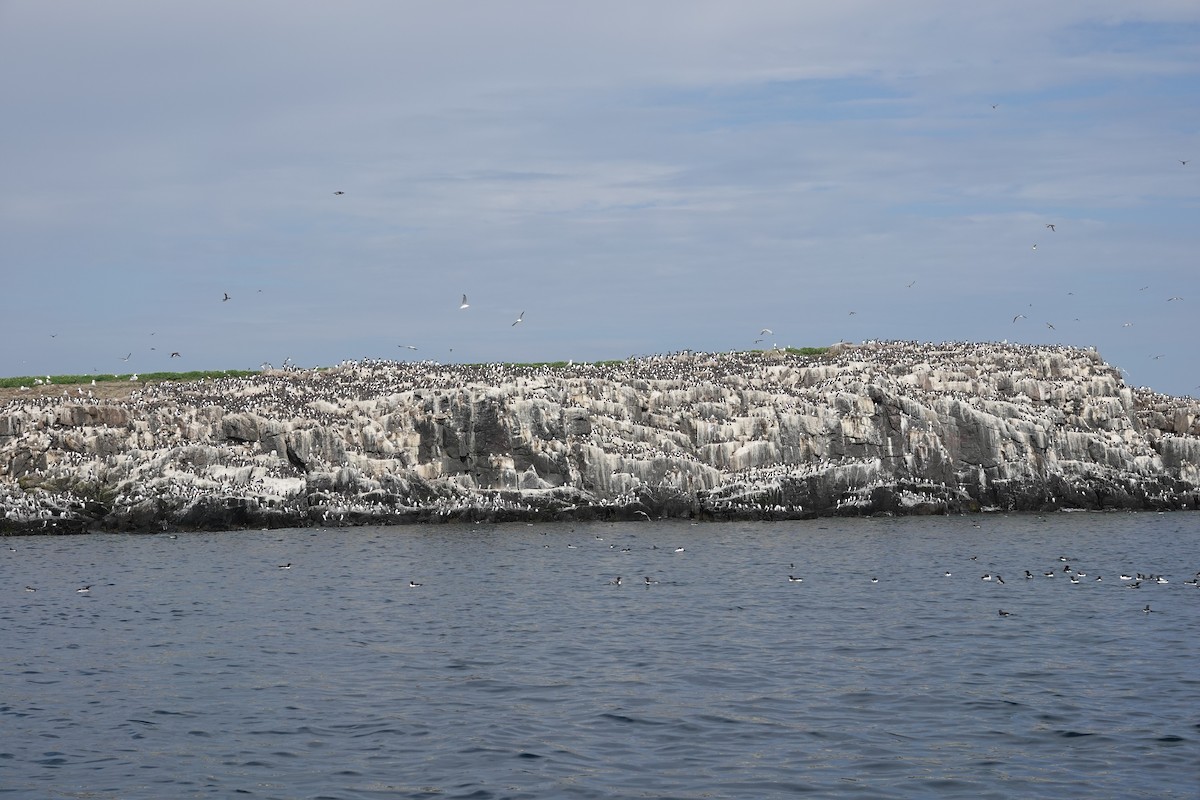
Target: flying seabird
column 1048, row 325
column 1035, row 247
column 1181, row 161
column 176, row 355
column 766, row 331
column 520, row 317
column 225, row 299
column 127, row 355
column 1050, row 225
column 1018, row 316
column 464, row 303
column 407, row 346
column 339, row 192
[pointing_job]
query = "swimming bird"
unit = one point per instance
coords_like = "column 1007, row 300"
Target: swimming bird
column 520, row 317
column 414, row 584
column 874, row 580
column 794, row 579
column 1028, row 574
column 650, row 582
column 464, row 303
column 30, row 589
column 1147, row 609
column 84, row 590
column 286, row 566
column 947, row 573
column 1004, row 613
column 615, row 581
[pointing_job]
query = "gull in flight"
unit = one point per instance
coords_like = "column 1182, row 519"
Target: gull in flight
column 765, row 331
column 127, row 355
column 176, row 355
column 1018, row 316
column 406, row 346
column 1048, row 325
column 1050, row 226
column 339, row 192
column 1181, row 161
column 1035, row 247
column 910, row 284
column 1176, row 297
column 520, row 317
column 226, row 298
column 464, row 303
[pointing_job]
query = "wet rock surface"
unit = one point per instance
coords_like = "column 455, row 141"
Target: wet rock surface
column 895, row 427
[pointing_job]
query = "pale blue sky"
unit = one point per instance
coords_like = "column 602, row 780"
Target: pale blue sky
column 636, row 177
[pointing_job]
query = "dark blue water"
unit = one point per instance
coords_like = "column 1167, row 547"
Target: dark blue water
column 195, row 667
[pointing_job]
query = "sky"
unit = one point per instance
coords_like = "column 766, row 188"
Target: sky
column 634, row 177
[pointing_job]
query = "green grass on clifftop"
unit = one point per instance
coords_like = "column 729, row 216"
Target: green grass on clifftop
column 70, row 380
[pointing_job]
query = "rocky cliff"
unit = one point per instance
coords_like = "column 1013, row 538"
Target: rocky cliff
column 893, row 427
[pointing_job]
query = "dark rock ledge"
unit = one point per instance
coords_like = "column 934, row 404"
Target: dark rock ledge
column 878, row 428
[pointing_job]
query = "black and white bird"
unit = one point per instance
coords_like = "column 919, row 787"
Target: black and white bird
column 520, row 317
column 464, row 303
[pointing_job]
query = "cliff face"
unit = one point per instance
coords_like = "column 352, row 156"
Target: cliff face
column 881, row 427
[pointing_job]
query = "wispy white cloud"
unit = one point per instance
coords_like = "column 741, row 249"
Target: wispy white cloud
column 637, row 177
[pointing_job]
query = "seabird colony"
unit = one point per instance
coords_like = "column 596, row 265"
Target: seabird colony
column 684, row 434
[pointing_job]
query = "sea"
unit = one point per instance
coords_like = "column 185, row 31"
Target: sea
column 840, row 658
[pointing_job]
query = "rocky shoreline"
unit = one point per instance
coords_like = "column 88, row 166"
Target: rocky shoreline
column 877, row 428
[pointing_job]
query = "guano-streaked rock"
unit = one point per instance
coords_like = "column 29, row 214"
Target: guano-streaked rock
column 894, row 427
